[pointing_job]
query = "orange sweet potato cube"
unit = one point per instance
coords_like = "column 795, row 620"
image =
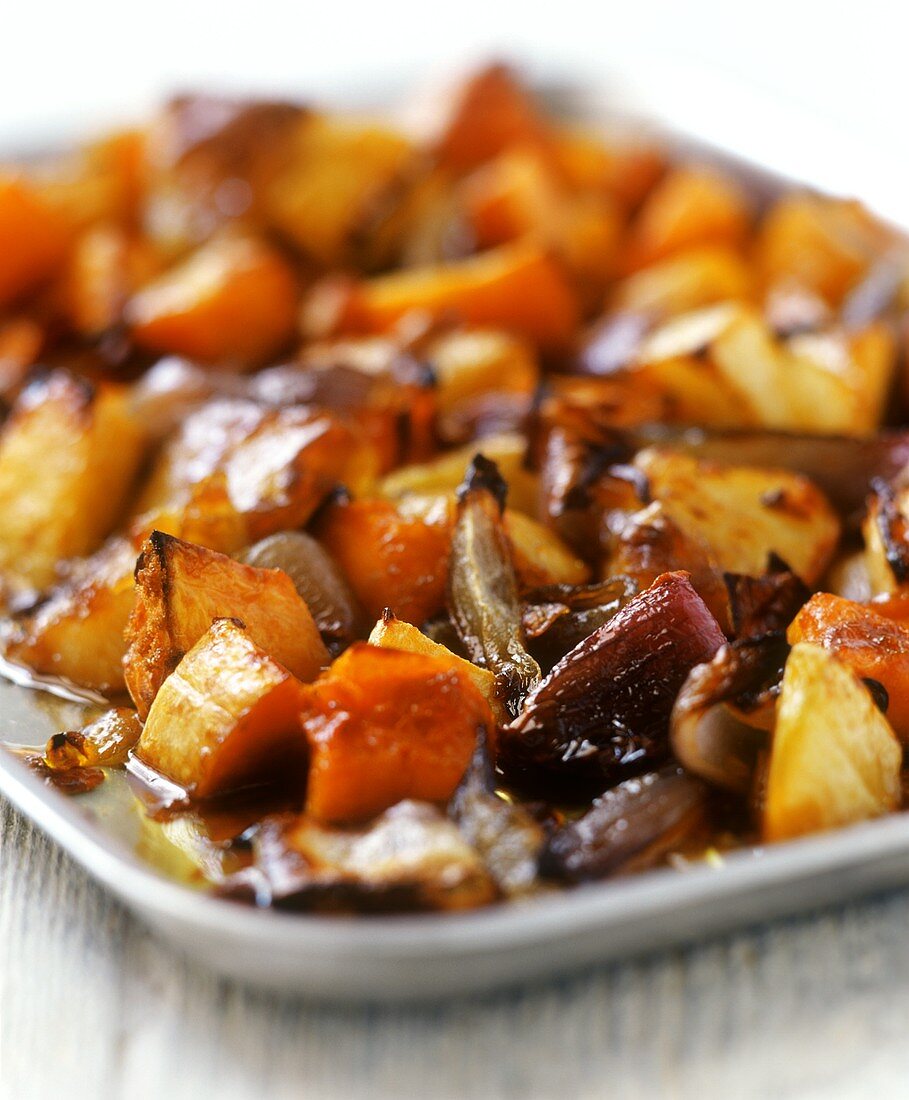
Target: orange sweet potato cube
column 33, row 239
column 389, row 559
column 384, row 725
column 871, row 644
column 518, row 287
column 181, row 589
column 228, row 716
column 234, row 299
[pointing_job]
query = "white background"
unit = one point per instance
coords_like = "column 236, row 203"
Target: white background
column 843, row 64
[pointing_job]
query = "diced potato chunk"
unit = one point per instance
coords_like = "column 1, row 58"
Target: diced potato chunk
column 744, row 513
column 517, row 287
column 872, row 644
column 835, row 761
column 468, row 364
column 384, row 725
column 227, row 716
column 68, row 456
column 688, row 280
column 234, row 299
column 33, row 239
column 392, row 633
column 181, row 589
column 77, row 632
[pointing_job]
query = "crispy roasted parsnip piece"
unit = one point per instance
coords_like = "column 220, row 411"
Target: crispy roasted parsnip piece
column 68, row 456
column 834, row 759
column 181, row 589
column 227, row 716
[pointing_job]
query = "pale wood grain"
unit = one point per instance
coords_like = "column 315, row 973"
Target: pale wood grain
column 91, row 1004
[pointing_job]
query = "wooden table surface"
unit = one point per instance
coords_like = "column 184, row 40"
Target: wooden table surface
column 92, row 1004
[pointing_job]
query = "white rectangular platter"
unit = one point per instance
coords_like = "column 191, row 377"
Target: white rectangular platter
column 432, row 956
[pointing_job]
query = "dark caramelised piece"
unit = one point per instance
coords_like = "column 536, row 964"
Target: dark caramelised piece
column 603, row 712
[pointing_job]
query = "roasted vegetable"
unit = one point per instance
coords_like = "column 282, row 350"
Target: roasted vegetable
column 226, row 717
column 482, row 593
column 385, row 725
column 602, row 713
column 835, row 760
column 181, row 589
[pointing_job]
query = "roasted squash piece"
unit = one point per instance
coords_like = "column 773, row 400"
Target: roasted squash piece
column 743, row 514
column 384, row 725
column 392, row 633
column 691, row 205
column 389, row 559
column 234, row 300
column 834, row 759
column 33, row 239
column 820, row 243
column 181, row 589
column 517, row 287
column 491, row 112
column 227, row 716
column 77, row 631
column 623, row 168
column 85, row 449
column 872, row 644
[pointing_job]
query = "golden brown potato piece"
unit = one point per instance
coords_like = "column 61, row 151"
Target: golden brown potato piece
column 517, row 287
column 237, row 472
column 692, row 279
column 743, row 513
column 78, row 631
column 338, row 174
column 181, row 589
column 33, row 239
column 692, row 205
column 392, row 633
column 384, row 725
column 68, row 456
column 834, row 760
column 226, row 717
column 232, row 300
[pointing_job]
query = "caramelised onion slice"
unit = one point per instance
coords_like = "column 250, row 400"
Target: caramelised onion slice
column 721, row 718
column 762, row 605
column 317, row 579
column 603, row 712
column 560, row 616
column 631, row 827
column 482, row 592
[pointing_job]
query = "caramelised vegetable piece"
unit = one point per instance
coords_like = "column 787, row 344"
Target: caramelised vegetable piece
column 726, row 706
column 409, row 858
column 602, row 714
column 834, row 760
column 762, row 605
column 33, row 239
column 633, row 826
column 517, row 287
column 389, row 559
column 106, row 742
column 482, row 592
column 226, row 717
column 384, row 725
column 234, row 300
column 392, row 633
column 507, row 837
column 237, row 472
column 744, row 514
column 558, row 617
column 866, row 640
column 181, row 589
column 886, row 533
column 317, row 579
column 87, row 449
column 77, row 630
column 691, row 279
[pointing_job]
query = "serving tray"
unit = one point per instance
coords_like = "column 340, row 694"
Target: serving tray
column 152, row 869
